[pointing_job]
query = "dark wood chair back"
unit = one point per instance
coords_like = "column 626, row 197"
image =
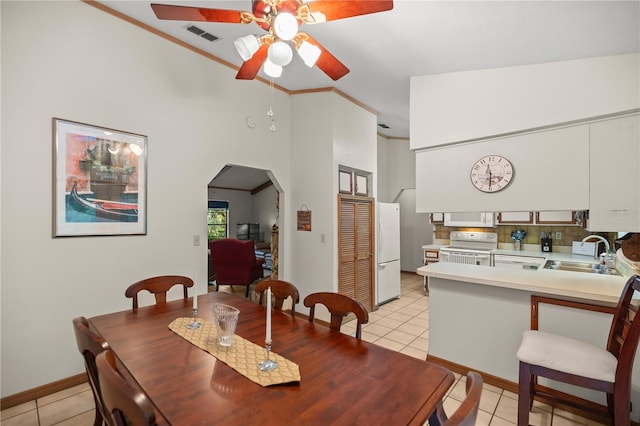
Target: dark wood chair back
column 124, row 404
column 624, row 336
column 280, row 290
column 339, row 306
column 90, row 344
column 159, row 286
column 467, row 412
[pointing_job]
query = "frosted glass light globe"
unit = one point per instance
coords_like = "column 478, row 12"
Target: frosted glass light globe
column 280, row 53
column 285, row 26
column 271, row 69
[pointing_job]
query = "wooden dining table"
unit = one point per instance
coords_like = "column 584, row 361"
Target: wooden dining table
column 344, row 380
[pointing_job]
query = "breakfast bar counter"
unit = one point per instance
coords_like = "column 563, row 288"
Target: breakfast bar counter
column 477, row 315
column 594, row 288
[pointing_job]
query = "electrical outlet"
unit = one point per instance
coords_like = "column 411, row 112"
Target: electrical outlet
column 558, row 235
column 196, row 240
column 322, row 239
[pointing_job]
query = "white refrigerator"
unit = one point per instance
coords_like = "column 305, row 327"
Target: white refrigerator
column 388, row 252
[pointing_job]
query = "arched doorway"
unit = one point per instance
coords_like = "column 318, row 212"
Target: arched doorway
column 251, row 197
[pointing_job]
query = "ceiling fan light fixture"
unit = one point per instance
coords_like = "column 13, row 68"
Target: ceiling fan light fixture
column 246, row 46
column 271, row 69
column 280, row 53
column 309, row 53
column 285, row 26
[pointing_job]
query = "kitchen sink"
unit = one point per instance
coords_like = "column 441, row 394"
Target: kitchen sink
column 588, row 267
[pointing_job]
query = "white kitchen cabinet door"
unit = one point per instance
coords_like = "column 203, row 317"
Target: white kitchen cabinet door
column 436, row 218
column 550, row 172
column 556, row 217
column 515, row 217
column 614, row 175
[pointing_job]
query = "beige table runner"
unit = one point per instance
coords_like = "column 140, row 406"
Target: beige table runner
column 243, row 355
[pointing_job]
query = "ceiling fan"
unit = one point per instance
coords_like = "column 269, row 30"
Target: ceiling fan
column 281, row 19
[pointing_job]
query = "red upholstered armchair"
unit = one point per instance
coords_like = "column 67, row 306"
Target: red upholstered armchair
column 234, row 262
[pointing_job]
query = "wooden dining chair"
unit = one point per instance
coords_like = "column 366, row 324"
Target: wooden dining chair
column 467, row 412
column 124, row 404
column 339, row 306
column 90, row 344
column 158, row 286
column 281, row 290
column 560, row 358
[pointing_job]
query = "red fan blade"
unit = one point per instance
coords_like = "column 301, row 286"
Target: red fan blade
column 188, row 13
column 250, row 68
column 340, row 9
column 328, row 63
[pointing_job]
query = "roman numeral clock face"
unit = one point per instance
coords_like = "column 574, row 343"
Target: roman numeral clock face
column 491, row 173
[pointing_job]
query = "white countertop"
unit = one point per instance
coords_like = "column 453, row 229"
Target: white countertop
column 590, row 287
column 433, row 246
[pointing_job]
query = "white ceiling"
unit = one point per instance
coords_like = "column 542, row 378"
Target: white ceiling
column 384, row 50
column 240, row 178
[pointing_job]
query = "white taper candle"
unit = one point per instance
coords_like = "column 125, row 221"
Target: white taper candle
column 195, row 291
column 268, row 339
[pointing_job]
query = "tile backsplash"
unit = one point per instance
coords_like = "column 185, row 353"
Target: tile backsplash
column 569, row 233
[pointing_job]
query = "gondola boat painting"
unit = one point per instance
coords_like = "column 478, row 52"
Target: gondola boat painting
column 100, row 180
column 114, row 210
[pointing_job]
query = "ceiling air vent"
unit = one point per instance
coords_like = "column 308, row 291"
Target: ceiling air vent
column 383, row 126
column 200, row 32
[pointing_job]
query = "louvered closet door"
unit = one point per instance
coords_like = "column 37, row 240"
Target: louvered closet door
column 355, row 248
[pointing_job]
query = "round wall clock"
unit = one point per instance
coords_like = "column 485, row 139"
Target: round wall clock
column 491, row 173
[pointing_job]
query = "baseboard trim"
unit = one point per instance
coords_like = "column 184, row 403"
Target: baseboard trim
column 463, row 370
column 40, row 391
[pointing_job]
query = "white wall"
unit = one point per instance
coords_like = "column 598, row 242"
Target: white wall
column 454, row 107
column 87, row 66
column 320, row 143
column 415, row 231
column 397, row 175
column 312, row 147
column 384, row 173
column 264, row 211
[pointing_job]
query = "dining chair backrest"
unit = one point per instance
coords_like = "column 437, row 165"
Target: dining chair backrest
column 90, row 344
column 124, row 404
column 624, row 333
column 280, row 290
column 339, row 305
column 467, row 412
column 158, row 286
column 596, row 369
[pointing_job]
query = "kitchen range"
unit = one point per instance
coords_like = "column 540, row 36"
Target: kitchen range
column 470, row 248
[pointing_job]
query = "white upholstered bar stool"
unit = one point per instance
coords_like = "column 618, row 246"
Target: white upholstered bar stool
column 578, row 363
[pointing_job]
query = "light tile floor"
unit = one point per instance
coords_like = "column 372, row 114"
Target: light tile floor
column 401, row 325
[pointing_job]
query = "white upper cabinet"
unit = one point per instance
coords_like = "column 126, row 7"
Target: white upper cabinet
column 515, row 217
column 554, row 217
column 615, row 175
column 550, row 172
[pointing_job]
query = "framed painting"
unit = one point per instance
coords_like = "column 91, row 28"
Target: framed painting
column 99, row 181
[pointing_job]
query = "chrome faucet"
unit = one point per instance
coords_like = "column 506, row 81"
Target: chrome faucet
column 608, row 258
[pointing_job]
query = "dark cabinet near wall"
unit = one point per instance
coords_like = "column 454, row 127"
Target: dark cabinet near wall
column 248, row 231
